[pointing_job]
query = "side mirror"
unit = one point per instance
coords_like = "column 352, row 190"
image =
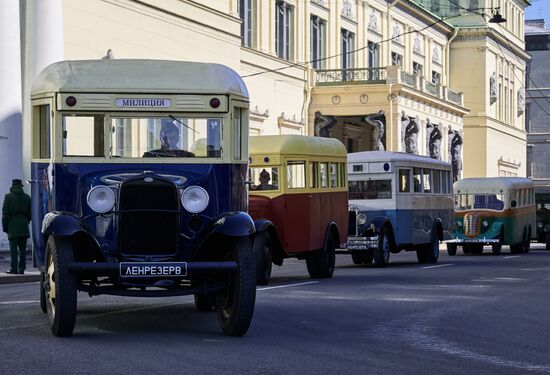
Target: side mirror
column 513, row 204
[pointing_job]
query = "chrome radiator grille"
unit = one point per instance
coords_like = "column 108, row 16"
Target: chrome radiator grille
column 471, row 225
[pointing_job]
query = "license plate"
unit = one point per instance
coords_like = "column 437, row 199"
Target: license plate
column 362, row 243
column 153, row 269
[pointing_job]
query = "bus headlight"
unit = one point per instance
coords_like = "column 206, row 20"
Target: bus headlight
column 485, row 224
column 540, row 225
column 101, row 199
column 361, row 219
column 194, row 199
column 459, row 223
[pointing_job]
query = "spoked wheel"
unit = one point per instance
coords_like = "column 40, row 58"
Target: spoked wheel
column 320, row 264
column 382, row 252
column 205, row 302
column 451, row 249
column 60, row 287
column 262, row 253
column 235, row 304
column 43, row 298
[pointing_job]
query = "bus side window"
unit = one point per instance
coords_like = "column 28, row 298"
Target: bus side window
column 324, row 174
column 314, row 174
column 404, row 180
column 42, row 148
column 333, row 170
column 436, row 174
column 427, row 174
column 417, row 180
column 296, row 174
column 343, row 179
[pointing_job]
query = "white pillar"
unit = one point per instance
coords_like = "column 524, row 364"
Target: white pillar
column 43, row 45
column 10, row 99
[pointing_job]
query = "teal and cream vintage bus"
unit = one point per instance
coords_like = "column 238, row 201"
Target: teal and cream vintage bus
column 493, row 211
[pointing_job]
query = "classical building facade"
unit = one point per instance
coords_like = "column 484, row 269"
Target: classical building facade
column 376, row 74
column 537, row 39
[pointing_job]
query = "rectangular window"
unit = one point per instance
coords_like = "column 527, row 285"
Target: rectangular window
column 418, row 69
column 373, row 55
column 427, row 180
column 238, row 133
column 396, row 59
column 347, row 40
column 324, row 174
column 264, row 178
column 371, row 189
column 436, row 77
column 436, row 175
column 465, row 202
column 417, row 180
column 343, row 178
column 357, row 167
column 247, row 13
column 44, row 141
column 166, row 137
column 404, row 180
column 284, row 30
column 314, row 173
column 318, row 42
column 333, row 172
column 83, row 135
column 296, row 174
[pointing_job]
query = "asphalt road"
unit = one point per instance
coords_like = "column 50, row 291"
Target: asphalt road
column 465, row 315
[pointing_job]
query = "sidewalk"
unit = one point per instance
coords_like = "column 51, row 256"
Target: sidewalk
column 31, row 273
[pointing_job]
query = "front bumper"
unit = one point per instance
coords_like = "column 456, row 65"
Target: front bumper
column 361, row 243
column 114, row 269
column 460, row 241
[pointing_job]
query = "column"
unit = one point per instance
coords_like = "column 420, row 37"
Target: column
column 10, row 100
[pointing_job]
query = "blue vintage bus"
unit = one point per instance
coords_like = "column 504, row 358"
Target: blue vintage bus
column 138, row 172
column 397, row 202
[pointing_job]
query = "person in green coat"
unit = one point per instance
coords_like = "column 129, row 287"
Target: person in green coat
column 16, row 216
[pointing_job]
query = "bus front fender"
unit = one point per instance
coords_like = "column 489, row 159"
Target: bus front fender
column 62, row 224
column 236, row 224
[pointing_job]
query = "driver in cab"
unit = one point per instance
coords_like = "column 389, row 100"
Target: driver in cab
column 264, row 182
column 169, row 136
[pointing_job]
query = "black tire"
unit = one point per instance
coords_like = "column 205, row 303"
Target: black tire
column 60, row 287
column 496, row 248
column 382, row 252
column 548, row 241
column 476, row 249
column 527, row 242
column 367, row 257
column 432, row 251
column 264, row 260
column 451, row 249
column 235, row 304
column 466, row 249
column 43, row 302
column 421, row 255
column 516, row 248
column 205, row 302
column 357, row 257
column 320, row 264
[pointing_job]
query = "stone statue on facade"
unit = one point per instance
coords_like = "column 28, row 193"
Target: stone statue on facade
column 493, row 95
column 435, row 142
column 456, row 155
column 378, row 121
column 410, row 129
column 323, row 124
column 521, row 100
column 373, row 22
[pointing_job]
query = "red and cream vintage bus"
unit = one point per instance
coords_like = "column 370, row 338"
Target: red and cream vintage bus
column 298, row 198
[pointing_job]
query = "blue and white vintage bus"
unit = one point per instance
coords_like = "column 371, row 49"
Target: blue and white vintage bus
column 397, row 202
column 139, row 186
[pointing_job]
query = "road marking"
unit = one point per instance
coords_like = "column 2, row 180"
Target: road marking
column 16, row 302
column 439, row 265
column 513, row 256
column 288, row 286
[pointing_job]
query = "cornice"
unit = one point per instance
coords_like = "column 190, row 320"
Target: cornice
column 481, row 33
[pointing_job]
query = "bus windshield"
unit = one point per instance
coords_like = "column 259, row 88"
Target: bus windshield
column 465, row 202
column 371, row 189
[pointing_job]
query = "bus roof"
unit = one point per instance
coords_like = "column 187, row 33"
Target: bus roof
column 491, row 184
column 296, row 145
column 378, row 156
column 138, row 76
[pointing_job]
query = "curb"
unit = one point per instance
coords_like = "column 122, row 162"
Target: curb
column 8, row 279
